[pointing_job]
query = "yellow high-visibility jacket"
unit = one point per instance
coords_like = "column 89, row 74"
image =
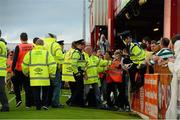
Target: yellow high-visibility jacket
column 54, row 49
column 40, row 66
column 67, row 71
column 3, row 59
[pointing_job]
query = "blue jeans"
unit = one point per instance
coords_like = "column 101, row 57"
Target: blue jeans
column 56, row 89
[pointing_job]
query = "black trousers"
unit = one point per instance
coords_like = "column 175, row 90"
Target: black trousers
column 3, row 97
column 122, row 100
column 19, row 81
column 40, row 99
column 77, row 92
column 140, row 81
column 111, row 87
column 73, row 88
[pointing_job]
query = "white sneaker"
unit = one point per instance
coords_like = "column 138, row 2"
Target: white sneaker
column 18, row 103
column 45, row 108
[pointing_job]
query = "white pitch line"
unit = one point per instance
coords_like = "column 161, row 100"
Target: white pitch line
column 12, row 99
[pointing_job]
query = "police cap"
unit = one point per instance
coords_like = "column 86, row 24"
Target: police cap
column 81, row 41
column 125, row 34
column 61, row 42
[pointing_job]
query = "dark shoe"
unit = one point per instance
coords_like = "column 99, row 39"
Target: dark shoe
column 5, row 110
column 68, row 103
column 114, row 108
column 45, row 108
column 103, row 107
column 18, row 103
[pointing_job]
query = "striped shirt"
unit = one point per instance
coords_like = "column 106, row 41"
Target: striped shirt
column 165, row 53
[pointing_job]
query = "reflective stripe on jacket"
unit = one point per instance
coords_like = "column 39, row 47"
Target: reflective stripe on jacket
column 78, row 61
column 67, row 71
column 54, row 49
column 3, row 58
column 40, row 66
column 137, row 55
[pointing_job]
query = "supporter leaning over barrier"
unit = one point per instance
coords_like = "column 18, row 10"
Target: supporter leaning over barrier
column 149, row 56
column 162, row 56
column 155, row 47
column 40, row 66
column 173, row 111
column 19, row 78
column 137, row 55
column 3, row 57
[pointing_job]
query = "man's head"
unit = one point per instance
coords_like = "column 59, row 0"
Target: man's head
column 35, row 39
column 61, row 43
column 73, row 45
column 144, row 46
column 80, row 44
column 24, row 37
column 99, row 53
column 127, row 37
column 155, row 47
column 164, row 42
column 146, row 40
column 117, row 54
column 39, row 42
column 103, row 37
column 88, row 50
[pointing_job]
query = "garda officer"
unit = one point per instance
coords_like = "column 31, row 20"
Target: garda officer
column 19, row 78
column 78, row 66
column 3, row 58
column 137, row 56
column 40, row 66
column 56, row 51
column 91, row 78
column 67, row 72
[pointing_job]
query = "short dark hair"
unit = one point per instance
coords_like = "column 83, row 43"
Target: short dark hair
column 24, row 36
column 35, row 39
column 126, row 34
column 175, row 38
column 143, row 46
column 148, row 39
column 165, row 42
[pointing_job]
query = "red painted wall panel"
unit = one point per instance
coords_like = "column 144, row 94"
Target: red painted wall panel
column 178, row 16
